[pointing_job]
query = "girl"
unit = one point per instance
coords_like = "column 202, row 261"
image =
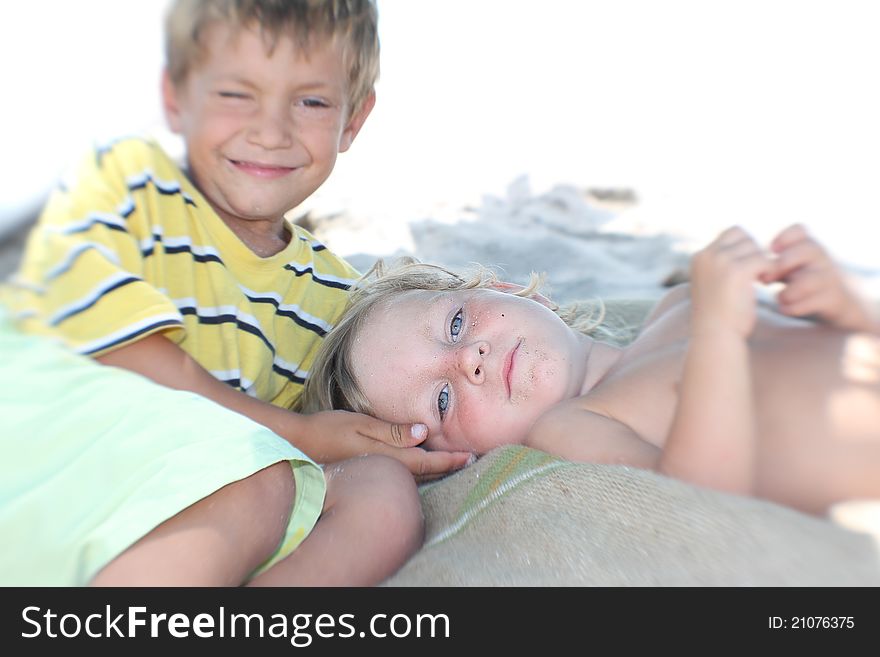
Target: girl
column 715, row 390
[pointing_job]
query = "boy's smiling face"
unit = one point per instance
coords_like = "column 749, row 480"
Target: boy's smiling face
column 262, row 129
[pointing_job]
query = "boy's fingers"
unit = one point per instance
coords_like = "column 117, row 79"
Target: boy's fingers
column 429, row 464
column 402, row 442
column 425, row 464
column 399, row 435
column 417, row 432
column 467, row 457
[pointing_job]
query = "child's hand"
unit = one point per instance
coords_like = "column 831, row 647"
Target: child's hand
column 343, row 435
column 815, row 285
column 722, row 284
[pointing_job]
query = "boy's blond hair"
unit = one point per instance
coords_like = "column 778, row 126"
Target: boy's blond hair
column 353, row 22
column 332, row 385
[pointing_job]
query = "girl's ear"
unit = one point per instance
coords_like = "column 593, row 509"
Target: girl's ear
column 513, row 288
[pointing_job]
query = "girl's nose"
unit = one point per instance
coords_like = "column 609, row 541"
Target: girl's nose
column 472, row 360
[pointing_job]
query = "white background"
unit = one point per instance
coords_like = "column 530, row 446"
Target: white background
column 747, row 111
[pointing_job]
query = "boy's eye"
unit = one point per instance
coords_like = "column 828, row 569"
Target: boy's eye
column 443, row 401
column 455, row 325
column 232, row 94
column 314, row 102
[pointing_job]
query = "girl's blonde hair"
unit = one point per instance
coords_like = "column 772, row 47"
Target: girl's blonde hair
column 353, row 22
column 331, row 384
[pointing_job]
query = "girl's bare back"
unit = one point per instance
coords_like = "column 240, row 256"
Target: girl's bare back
column 817, row 401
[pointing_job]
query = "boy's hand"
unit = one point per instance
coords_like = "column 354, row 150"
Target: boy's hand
column 722, row 284
column 343, row 435
column 815, row 285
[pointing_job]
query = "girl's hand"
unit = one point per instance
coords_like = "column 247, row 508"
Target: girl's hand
column 723, row 275
column 815, row 285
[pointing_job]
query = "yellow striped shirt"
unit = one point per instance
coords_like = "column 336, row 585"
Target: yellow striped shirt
column 132, row 248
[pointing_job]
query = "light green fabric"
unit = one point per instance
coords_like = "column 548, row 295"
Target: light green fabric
column 93, row 457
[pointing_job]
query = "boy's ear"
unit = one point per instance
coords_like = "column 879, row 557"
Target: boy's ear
column 356, row 122
column 170, row 102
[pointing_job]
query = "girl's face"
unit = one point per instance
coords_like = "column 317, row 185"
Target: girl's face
column 476, row 366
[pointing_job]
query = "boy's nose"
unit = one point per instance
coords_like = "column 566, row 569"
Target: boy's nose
column 271, row 129
column 471, row 361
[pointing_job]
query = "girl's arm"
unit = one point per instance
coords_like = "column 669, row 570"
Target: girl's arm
column 712, row 441
column 712, row 438
column 579, row 434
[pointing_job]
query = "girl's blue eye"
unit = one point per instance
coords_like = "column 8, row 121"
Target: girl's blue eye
column 455, row 325
column 443, row 401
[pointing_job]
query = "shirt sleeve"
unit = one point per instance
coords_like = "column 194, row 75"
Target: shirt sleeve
column 81, row 277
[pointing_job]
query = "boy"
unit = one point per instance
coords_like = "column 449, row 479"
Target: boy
column 194, row 279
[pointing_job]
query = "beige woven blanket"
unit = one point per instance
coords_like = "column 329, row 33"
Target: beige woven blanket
column 519, row 517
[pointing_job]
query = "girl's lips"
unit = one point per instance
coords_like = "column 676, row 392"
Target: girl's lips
column 508, row 366
column 261, row 170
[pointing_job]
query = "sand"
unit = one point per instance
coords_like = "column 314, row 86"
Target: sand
column 587, row 242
